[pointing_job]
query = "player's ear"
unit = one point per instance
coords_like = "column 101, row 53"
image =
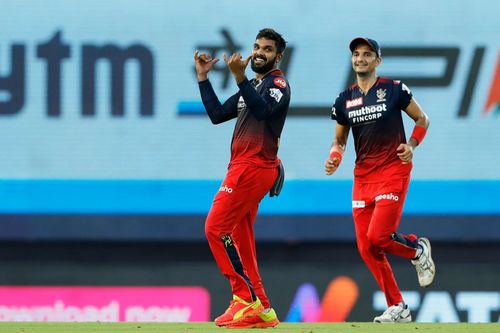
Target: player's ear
column 279, row 56
column 379, row 61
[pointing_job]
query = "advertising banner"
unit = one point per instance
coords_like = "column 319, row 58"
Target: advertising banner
column 104, row 304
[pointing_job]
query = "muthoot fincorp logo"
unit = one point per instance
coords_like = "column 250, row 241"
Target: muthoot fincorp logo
column 388, row 196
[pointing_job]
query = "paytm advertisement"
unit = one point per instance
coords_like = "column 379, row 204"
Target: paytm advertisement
column 107, row 91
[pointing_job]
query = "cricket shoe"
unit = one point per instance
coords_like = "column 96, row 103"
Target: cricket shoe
column 399, row 313
column 264, row 319
column 424, row 264
column 238, row 309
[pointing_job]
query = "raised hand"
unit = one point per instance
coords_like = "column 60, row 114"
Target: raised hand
column 203, row 63
column 237, row 65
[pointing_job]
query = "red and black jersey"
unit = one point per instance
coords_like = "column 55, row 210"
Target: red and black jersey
column 260, row 108
column 377, row 127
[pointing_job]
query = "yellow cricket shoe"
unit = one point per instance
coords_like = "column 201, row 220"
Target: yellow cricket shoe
column 263, row 319
column 239, row 309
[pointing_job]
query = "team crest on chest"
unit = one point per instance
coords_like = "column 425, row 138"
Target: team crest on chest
column 381, row 95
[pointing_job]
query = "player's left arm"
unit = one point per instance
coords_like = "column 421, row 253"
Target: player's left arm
column 274, row 97
column 415, row 112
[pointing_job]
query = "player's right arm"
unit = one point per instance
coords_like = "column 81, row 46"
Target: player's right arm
column 217, row 112
column 338, row 148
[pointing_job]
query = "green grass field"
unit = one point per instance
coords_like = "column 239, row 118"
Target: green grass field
column 210, row 328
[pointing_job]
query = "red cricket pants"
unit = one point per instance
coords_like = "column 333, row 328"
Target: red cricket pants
column 376, row 209
column 229, row 228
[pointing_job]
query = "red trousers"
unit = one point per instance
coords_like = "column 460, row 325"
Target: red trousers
column 229, row 228
column 377, row 209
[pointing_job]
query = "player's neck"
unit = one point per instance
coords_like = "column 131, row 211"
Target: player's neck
column 366, row 82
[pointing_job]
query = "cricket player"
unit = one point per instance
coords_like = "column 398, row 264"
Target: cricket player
column 260, row 107
column 373, row 109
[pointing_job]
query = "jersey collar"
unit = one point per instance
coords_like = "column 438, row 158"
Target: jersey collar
column 356, row 86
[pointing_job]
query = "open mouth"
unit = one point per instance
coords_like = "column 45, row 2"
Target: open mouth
column 259, row 60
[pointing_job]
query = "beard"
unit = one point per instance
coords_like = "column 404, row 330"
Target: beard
column 263, row 69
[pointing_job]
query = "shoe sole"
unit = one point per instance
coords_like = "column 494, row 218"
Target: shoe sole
column 428, row 244
column 405, row 321
column 269, row 324
column 401, row 320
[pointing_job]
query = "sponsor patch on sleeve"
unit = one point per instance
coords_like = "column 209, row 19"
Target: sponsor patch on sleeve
column 280, row 82
column 276, row 94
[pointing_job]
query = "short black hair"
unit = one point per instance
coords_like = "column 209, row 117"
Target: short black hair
column 271, row 34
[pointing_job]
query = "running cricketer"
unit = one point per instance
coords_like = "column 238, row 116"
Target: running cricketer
column 260, row 107
column 372, row 108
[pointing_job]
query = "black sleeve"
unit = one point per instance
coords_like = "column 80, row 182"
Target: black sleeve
column 271, row 99
column 405, row 96
column 337, row 112
column 218, row 112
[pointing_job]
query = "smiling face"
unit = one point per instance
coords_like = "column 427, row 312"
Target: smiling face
column 264, row 56
column 364, row 60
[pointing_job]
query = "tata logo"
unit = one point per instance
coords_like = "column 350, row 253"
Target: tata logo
column 475, row 306
column 276, row 94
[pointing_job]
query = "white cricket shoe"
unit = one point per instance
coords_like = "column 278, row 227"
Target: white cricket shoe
column 425, row 265
column 399, row 313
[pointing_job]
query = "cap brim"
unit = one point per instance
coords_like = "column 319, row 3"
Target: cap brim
column 360, row 40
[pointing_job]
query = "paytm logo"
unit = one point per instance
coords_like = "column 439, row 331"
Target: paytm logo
column 54, row 52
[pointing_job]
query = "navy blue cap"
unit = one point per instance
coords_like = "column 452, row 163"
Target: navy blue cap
column 363, row 40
